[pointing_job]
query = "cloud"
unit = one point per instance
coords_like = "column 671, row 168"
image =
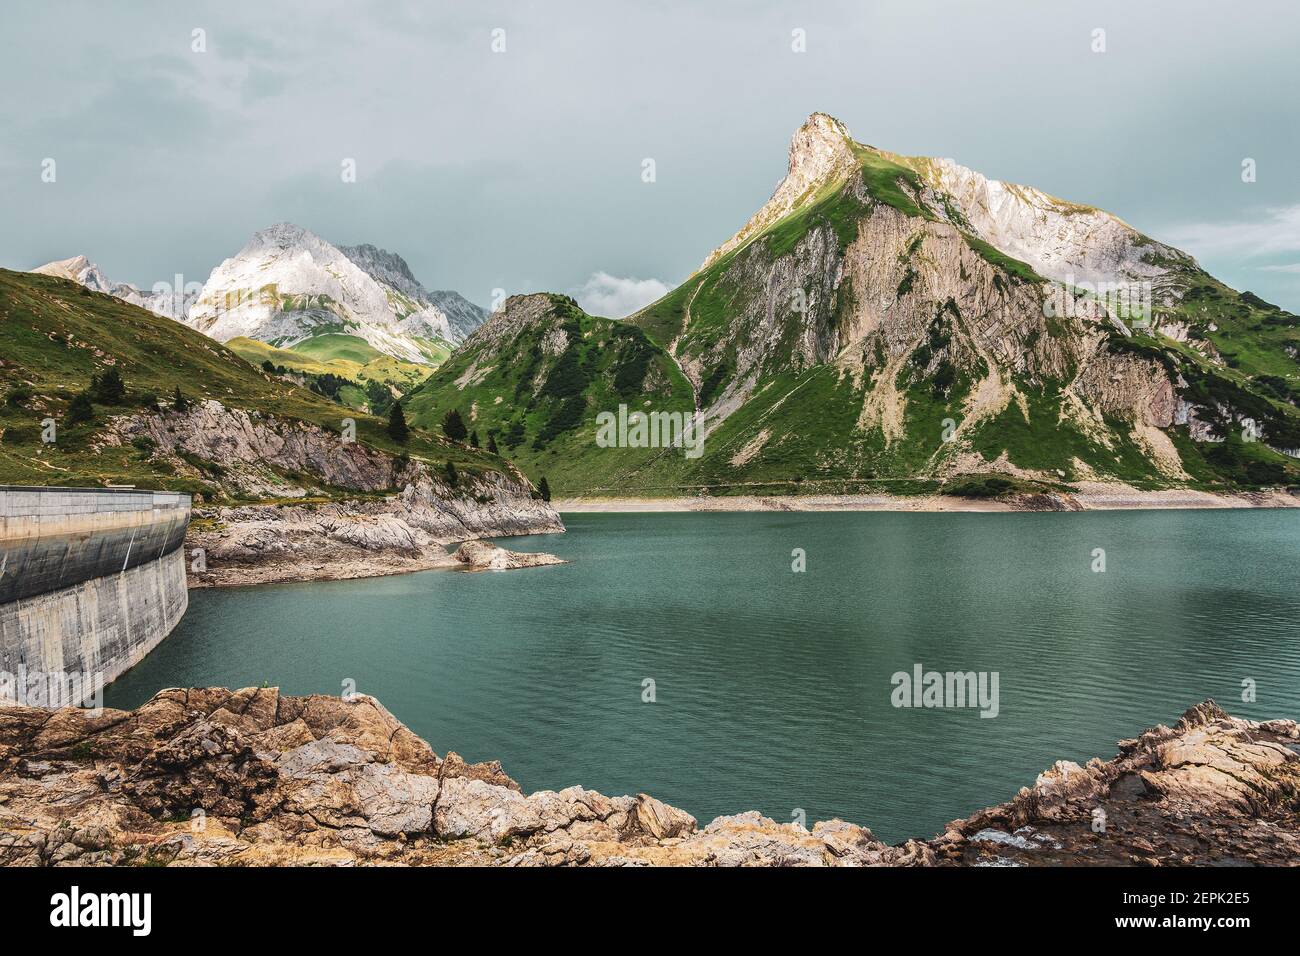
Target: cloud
column 1287, row 267
column 616, row 298
column 1277, row 232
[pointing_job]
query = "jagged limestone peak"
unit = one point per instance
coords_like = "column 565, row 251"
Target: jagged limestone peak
column 821, row 153
column 288, row 284
column 820, row 148
column 1066, row 241
column 73, row 269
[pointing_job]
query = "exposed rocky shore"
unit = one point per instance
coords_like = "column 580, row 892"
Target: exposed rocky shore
column 1090, row 496
column 329, row 508
column 264, row 544
column 481, row 556
column 251, row 777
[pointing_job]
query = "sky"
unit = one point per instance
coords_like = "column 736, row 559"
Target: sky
column 501, row 145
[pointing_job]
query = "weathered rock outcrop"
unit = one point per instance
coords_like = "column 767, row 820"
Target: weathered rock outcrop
column 358, row 538
column 404, row 512
column 254, row 778
column 481, row 556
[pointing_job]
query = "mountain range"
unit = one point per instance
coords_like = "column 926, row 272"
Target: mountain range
column 290, row 289
column 81, row 270
column 905, row 323
column 882, row 322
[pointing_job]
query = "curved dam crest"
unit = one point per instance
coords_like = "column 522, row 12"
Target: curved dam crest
column 91, row 579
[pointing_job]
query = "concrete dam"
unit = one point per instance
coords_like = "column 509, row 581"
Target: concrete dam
column 91, row 579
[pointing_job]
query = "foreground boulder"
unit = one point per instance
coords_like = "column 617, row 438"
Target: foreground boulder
column 250, row 777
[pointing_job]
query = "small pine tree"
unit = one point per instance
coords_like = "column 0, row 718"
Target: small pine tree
column 544, row 489
column 268, row 366
column 473, row 439
column 397, row 429
column 80, row 410
column 492, row 444
column 453, row 426
column 108, row 389
column 179, row 402
column 453, row 478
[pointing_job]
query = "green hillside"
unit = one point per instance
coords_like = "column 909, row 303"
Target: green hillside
column 56, row 335
column 537, row 389
column 345, row 356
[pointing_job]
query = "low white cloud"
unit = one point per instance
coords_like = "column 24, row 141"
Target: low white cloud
column 1286, row 267
column 1275, row 233
column 617, row 298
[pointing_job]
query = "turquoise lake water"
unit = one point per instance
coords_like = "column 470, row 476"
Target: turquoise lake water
column 773, row 688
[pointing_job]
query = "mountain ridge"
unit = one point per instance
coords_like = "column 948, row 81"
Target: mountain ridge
column 868, row 325
column 287, row 285
column 81, row 270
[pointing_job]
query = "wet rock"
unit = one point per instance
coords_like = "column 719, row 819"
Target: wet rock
column 481, row 556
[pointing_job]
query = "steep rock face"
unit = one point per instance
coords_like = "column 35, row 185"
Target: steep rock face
column 903, row 302
column 868, row 306
column 1062, row 240
column 287, row 285
column 250, row 447
column 167, row 302
column 254, row 778
column 443, row 314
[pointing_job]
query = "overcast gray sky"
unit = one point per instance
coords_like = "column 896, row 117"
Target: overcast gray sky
column 521, row 170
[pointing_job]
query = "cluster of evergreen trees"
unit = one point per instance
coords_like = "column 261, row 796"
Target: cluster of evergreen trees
column 109, row 388
column 453, row 426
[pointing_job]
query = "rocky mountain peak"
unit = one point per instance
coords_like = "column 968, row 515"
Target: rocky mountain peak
column 288, row 284
column 820, row 148
column 283, row 235
column 821, row 152
column 78, row 269
column 385, row 266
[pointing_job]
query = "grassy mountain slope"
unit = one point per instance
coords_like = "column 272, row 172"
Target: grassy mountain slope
column 346, row 356
column 535, row 376
column 55, row 335
column 802, row 419
column 833, row 342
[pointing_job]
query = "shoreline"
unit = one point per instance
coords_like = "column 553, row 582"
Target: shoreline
column 377, row 565
column 1096, row 498
column 326, row 780
column 354, row 562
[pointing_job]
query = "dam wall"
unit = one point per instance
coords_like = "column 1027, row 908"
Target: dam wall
column 91, row 579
